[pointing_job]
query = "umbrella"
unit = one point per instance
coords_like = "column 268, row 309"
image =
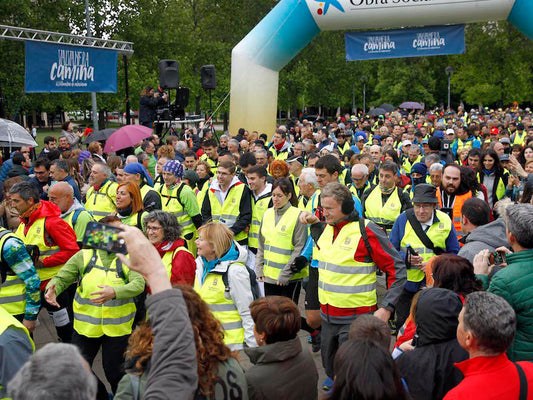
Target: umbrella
column 14, row 135
column 127, row 136
column 377, row 111
column 387, row 107
column 413, row 105
column 99, row 136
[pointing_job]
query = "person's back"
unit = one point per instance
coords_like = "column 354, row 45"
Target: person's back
column 490, row 236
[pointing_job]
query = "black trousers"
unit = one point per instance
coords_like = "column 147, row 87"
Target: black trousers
column 65, row 299
column 113, row 349
column 403, row 307
column 292, row 290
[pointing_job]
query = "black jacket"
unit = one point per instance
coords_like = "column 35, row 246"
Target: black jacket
column 148, row 107
column 429, row 369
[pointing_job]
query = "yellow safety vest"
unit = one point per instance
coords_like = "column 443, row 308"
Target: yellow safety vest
column 101, row 203
column 344, row 148
column 500, row 185
column 35, row 236
column 136, row 220
column 379, row 213
column 438, row 233
column 145, row 189
column 258, row 210
column 279, row 155
column 212, row 163
column 519, row 139
column 228, row 213
column 278, row 242
column 70, row 216
column 13, row 290
column 213, row 292
column 172, row 204
column 408, row 165
column 200, row 195
column 466, row 144
column 169, row 256
column 114, row 317
column 342, row 281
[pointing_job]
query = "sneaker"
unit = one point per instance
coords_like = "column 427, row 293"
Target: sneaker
column 328, row 384
column 315, row 342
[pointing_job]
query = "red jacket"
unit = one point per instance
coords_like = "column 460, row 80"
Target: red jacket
column 489, row 378
column 183, row 264
column 58, row 233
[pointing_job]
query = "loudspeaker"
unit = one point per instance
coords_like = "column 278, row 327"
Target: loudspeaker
column 182, row 97
column 209, row 79
column 169, row 74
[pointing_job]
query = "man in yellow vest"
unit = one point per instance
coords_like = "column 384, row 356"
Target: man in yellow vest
column 261, row 201
column 360, row 181
column 72, row 212
column 179, row 199
column 42, row 227
column 519, row 136
column 350, row 250
column 104, row 308
column 229, row 201
column 384, row 203
column 101, row 198
column 280, row 146
column 20, row 294
column 210, row 155
column 419, row 234
column 308, row 185
column 135, row 172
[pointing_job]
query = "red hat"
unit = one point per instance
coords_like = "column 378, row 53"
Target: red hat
column 494, row 131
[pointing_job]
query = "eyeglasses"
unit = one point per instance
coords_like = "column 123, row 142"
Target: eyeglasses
column 153, row 228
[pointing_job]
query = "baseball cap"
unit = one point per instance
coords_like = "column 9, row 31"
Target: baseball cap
column 494, row 131
column 505, row 140
column 360, row 137
column 450, row 132
column 407, row 143
column 504, row 157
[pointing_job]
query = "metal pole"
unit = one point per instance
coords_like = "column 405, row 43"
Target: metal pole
column 127, row 87
column 93, row 94
column 364, row 97
column 353, row 98
column 449, row 88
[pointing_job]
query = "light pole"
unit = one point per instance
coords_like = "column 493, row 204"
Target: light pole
column 363, row 79
column 449, row 72
column 353, row 99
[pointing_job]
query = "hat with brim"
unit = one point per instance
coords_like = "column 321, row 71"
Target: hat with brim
column 425, row 193
column 298, row 159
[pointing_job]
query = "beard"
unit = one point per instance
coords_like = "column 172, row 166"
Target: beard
column 450, row 189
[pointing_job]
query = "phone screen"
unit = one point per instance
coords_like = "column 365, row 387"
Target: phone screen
column 104, row 237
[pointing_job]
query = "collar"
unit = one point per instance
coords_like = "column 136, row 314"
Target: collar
column 73, row 207
column 264, row 192
column 482, row 365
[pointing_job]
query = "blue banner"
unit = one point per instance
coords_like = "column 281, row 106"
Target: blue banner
column 61, row 68
column 396, row 43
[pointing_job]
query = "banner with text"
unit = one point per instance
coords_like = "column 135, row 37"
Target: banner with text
column 60, row 68
column 396, row 43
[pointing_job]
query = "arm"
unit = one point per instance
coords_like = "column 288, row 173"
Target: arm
column 190, row 204
column 260, row 255
column 81, row 224
column 64, row 237
column 245, row 212
column 183, row 269
column 15, row 255
column 206, row 208
column 241, row 293
column 452, row 244
column 397, row 232
column 15, row 350
column 68, row 274
column 134, row 287
column 152, row 201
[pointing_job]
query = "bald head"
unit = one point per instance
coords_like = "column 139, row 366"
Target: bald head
column 62, row 195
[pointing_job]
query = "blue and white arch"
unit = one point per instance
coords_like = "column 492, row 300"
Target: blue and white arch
column 292, row 24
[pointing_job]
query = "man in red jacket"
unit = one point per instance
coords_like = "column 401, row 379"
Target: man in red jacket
column 487, row 326
column 42, row 227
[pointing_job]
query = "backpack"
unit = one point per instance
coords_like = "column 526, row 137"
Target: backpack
column 256, row 292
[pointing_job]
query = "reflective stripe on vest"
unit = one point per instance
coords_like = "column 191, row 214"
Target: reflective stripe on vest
column 383, row 214
column 213, row 292
column 258, row 210
column 228, row 213
column 278, row 242
column 35, row 236
column 113, row 318
column 438, row 233
column 13, row 290
column 100, row 203
column 342, row 281
column 171, row 204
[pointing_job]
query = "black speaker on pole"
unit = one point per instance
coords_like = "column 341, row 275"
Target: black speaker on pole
column 169, row 74
column 209, row 79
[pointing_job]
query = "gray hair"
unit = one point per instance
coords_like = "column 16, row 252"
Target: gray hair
column 142, row 156
column 308, row 175
column 104, row 168
column 234, row 141
column 61, row 164
column 337, row 191
column 360, row 168
column 432, row 159
column 262, row 151
column 436, row 167
column 491, row 320
column 519, row 219
column 180, row 146
column 224, row 136
column 131, row 159
column 171, row 228
column 55, row 372
column 26, row 191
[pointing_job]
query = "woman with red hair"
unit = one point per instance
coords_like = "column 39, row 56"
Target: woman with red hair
column 130, row 208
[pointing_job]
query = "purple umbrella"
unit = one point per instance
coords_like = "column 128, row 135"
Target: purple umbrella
column 127, row 136
column 412, row 105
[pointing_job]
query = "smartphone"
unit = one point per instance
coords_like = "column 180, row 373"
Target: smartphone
column 497, row 258
column 104, row 237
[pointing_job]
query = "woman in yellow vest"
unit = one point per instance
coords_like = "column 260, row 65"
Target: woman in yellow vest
column 104, row 307
column 164, row 232
column 223, row 282
column 130, row 209
column 493, row 176
column 203, row 170
column 282, row 238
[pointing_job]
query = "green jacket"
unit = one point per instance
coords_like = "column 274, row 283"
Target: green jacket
column 515, row 284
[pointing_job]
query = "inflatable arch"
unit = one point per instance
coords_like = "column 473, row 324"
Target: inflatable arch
column 292, row 24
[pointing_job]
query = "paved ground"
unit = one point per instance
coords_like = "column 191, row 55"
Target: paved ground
column 45, row 333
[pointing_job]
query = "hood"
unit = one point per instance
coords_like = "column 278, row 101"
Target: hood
column 436, row 316
column 275, row 352
column 215, row 186
column 75, row 205
column 493, row 234
column 166, row 246
column 46, row 209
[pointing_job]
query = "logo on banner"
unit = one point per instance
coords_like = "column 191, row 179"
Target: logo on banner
column 72, row 69
column 324, row 6
column 428, row 41
column 379, row 44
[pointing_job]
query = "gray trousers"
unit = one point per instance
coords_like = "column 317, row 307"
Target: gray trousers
column 332, row 336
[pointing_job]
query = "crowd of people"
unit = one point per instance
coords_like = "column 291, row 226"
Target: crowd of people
column 410, row 236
